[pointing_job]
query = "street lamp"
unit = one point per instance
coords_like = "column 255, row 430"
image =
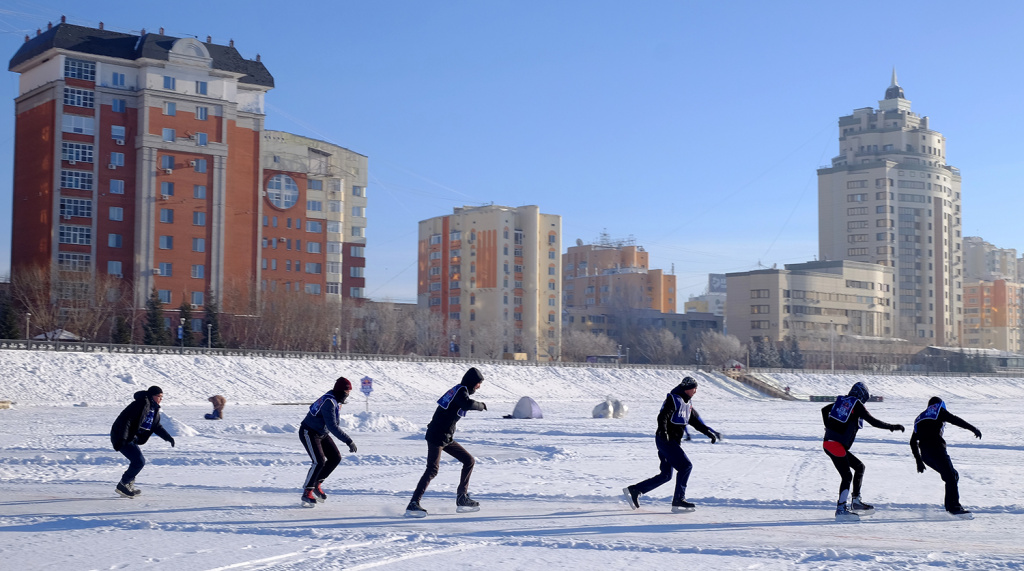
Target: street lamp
column 832, row 344
column 627, row 355
column 28, row 318
column 209, row 335
column 181, row 333
column 337, row 330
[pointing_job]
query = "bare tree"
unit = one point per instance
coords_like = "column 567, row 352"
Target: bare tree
column 32, row 288
column 659, row 346
column 385, row 330
column 429, row 331
column 486, row 340
column 577, row 344
column 719, row 348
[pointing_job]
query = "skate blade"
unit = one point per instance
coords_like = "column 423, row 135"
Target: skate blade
column 124, row 495
column 963, row 516
column 864, row 512
column 629, row 499
column 309, row 504
column 467, row 509
column 848, row 518
column 682, row 510
column 415, row 513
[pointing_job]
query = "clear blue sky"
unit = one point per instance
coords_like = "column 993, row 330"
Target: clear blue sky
column 694, row 127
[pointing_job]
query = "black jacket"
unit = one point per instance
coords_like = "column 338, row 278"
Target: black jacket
column 845, row 432
column 674, row 432
column 127, row 426
column 441, row 430
column 928, row 432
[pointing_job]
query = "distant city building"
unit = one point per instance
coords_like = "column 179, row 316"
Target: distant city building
column 493, row 272
column 811, row 301
column 711, row 301
column 144, row 158
column 615, row 275
column 984, row 261
column 994, row 315
column 890, row 198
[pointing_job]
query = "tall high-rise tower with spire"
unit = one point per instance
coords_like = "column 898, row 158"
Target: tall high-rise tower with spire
column 890, row 198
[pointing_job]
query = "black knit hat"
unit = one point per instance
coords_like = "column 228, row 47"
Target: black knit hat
column 341, row 385
column 688, row 383
column 154, row 390
column 472, row 377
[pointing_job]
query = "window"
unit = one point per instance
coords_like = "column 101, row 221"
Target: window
column 117, row 79
column 358, row 191
column 315, row 205
column 199, row 191
column 857, row 197
column 313, row 184
column 334, row 267
column 114, row 240
column 199, row 219
column 116, row 186
column 355, row 272
column 79, row 97
column 170, row 108
column 164, row 295
column 855, row 224
column 314, row 226
column 81, row 235
column 169, row 135
column 313, row 247
column 857, row 184
column 198, row 271
column 166, row 268
column 81, row 180
column 201, row 88
column 116, row 132
column 167, row 189
column 114, row 268
column 358, row 211
column 282, row 191
column 857, row 252
column 116, row 213
column 169, row 82
column 313, row 268
column 166, row 242
column 117, row 159
column 166, row 161
column 333, row 247
column 334, row 206
column 72, row 262
column 357, row 231
column 357, row 252
column 118, row 105
column 198, row 244
column 313, row 289
column 78, row 124
column 760, row 293
column 77, row 152
column 78, row 69
column 760, row 309
column 200, row 165
column 201, row 139
column 202, row 113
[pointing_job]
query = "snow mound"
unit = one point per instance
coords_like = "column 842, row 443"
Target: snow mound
column 247, row 428
column 376, row 422
column 176, row 428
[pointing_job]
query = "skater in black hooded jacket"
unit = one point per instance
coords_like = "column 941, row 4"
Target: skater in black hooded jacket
column 441, row 438
column 315, row 431
column 843, row 419
column 131, row 429
column 928, row 428
column 676, row 413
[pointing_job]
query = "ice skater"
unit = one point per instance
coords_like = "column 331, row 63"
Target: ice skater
column 321, row 421
column 842, row 420
column 676, row 413
column 132, row 429
column 218, row 408
column 928, row 428
column 441, row 438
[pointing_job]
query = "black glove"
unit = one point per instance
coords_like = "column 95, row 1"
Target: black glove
column 977, row 433
column 714, row 436
column 920, row 467
column 895, row 427
column 352, row 447
column 171, row 440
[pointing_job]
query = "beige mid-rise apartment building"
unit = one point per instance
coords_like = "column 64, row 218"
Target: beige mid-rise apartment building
column 493, row 274
column 615, row 276
column 890, row 198
column 985, row 261
column 813, row 300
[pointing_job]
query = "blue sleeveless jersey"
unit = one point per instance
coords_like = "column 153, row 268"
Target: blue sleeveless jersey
column 843, row 408
column 682, row 413
column 446, row 399
column 931, row 413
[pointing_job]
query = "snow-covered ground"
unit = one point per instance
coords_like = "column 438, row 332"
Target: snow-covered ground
column 227, row 496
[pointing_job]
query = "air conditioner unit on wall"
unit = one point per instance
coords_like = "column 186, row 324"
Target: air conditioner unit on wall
column 191, row 163
column 195, row 306
column 72, row 162
column 111, row 166
column 156, row 271
column 168, row 171
column 119, row 141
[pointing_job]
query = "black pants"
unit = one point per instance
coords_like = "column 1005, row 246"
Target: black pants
column 843, row 465
column 672, row 457
column 455, row 450
column 134, row 455
column 323, row 452
column 937, row 459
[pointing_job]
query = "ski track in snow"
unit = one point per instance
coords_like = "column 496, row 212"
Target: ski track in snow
column 226, row 497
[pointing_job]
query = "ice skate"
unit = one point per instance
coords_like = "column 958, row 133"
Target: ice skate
column 318, row 493
column 683, row 506
column 127, row 490
column 632, row 496
column 414, row 510
column 843, row 514
column 308, row 499
column 465, row 504
column 960, row 512
column 860, row 508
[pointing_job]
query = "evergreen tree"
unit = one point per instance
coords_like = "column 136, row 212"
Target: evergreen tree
column 122, row 331
column 186, row 330
column 755, row 354
column 9, row 321
column 769, row 354
column 211, row 325
column 154, row 332
column 790, row 356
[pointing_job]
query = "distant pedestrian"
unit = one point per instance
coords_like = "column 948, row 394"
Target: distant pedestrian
column 928, row 428
column 676, row 413
column 440, row 437
column 132, row 429
column 842, row 421
column 322, row 420
column 218, row 408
